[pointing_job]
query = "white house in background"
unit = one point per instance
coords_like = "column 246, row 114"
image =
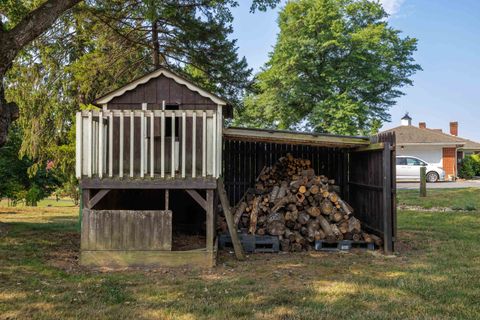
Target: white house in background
column 433, row 146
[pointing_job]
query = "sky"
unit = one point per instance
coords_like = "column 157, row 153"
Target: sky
column 448, row 34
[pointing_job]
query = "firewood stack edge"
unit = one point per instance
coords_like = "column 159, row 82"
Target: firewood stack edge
column 291, row 202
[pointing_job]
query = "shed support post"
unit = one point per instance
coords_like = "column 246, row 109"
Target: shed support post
column 387, row 199
column 209, row 220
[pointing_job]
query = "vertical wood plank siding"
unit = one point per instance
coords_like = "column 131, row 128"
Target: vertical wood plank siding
column 126, row 230
column 372, row 188
column 243, row 161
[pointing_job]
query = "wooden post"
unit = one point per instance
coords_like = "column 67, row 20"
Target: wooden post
column 237, row 245
column 167, row 199
column 210, row 220
column 79, row 145
column 387, row 199
column 423, row 181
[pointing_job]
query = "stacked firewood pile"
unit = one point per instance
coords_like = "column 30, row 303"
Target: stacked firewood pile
column 291, row 202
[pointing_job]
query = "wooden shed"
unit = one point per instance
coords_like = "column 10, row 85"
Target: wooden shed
column 149, row 158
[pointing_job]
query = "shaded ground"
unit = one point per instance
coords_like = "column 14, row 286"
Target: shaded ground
column 434, row 276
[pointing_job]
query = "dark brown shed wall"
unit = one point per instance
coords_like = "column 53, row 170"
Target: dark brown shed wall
column 161, row 89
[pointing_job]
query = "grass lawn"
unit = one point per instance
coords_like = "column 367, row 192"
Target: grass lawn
column 434, row 276
column 456, row 199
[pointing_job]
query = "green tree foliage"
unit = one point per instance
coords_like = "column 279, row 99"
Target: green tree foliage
column 19, row 182
column 100, row 45
column 337, row 67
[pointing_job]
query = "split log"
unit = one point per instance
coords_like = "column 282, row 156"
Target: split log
column 238, row 212
column 377, row 240
column 282, row 192
column 337, row 216
column 300, row 197
column 326, row 227
column 354, row 225
column 314, row 211
column 326, row 207
column 333, row 197
column 338, row 235
column 276, row 228
column 283, row 202
column 274, row 193
column 254, row 216
column 345, row 207
column 303, row 217
column 367, row 238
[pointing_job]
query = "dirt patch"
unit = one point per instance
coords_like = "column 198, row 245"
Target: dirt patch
column 3, row 229
column 183, row 242
column 66, row 252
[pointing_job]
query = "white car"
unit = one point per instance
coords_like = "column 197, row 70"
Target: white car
column 408, row 168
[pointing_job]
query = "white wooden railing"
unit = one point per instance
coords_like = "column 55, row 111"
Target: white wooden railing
column 135, row 144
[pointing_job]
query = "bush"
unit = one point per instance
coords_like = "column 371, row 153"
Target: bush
column 470, row 167
column 476, row 163
column 34, row 194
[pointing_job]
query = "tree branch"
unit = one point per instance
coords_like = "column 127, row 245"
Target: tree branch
column 38, row 21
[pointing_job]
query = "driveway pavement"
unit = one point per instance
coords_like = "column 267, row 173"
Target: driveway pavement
column 440, row 185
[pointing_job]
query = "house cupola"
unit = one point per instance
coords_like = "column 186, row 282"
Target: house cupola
column 406, row 120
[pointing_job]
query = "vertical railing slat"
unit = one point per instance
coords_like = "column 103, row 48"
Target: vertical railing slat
column 142, row 144
column 110, row 144
column 184, row 142
column 121, row 138
column 204, row 144
column 132, row 137
column 162, row 145
column 79, row 145
column 194, row 144
column 219, row 140
column 100, row 144
column 152, row 144
column 173, row 146
column 214, row 146
column 89, row 147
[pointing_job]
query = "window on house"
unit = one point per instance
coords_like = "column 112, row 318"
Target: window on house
column 168, row 121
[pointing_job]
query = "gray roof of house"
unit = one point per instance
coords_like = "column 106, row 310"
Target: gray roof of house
column 415, row 135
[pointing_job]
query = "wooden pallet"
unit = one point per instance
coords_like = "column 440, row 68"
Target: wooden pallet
column 251, row 243
column 342, row 245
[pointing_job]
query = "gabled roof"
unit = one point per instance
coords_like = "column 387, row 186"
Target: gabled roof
column 410, row 135
column 157, row 73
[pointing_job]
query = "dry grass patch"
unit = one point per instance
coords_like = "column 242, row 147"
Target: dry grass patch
column 432, row 277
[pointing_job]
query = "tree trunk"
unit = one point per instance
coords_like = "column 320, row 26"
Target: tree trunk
column 156, row 48
column 12, row 41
